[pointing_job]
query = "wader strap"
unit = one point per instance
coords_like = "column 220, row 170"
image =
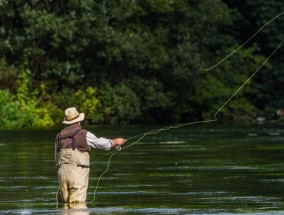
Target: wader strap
column 83, row 166
column 73, row 144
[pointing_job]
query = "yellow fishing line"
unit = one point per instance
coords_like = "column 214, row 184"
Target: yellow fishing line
column 202, row 121
column 256, row 71
column 249, row 39
column 108, row 164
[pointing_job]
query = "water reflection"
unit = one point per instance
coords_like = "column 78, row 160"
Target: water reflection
column 75, row 209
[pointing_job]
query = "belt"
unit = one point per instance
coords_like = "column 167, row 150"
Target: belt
column 78, row 202
column 83, row 166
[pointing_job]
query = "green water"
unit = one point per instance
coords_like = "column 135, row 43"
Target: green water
column 192, row 170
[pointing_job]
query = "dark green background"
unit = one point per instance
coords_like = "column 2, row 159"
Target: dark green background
column 125, row 61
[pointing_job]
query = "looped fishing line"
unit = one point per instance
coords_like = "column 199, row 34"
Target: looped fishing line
column 153, row 132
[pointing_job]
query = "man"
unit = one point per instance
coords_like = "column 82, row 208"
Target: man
column 72, row 147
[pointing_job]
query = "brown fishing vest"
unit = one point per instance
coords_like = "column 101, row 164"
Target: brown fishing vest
column 72, row 146
column 73, row 137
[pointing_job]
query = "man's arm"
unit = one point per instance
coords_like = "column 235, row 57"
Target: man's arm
column 101, row 142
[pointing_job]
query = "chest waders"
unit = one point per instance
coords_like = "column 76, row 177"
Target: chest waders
column 73, row 173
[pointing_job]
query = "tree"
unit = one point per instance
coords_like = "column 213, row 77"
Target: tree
column 266, row 94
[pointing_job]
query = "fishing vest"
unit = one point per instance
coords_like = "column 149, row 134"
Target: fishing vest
column 72, row 146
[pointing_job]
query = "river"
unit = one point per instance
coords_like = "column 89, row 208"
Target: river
column 205, row 169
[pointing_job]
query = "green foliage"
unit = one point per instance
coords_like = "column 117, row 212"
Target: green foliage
column 154, row 101
column 12, row 117
column 85, row 100
column 125, row 61
column 239, row 110
column 119, row 104
column 13, row 114
column 268, row 101
column 269, row 83
column 8, row 75
column 215, row 88
column 22, row 110
column 6, row 110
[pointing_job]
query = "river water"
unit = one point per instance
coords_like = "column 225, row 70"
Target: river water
column 191, row 170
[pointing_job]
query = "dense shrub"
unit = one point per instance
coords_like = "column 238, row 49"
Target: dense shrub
column 23, row 110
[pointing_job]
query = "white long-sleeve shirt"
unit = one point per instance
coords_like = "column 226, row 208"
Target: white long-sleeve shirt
column 98, row 142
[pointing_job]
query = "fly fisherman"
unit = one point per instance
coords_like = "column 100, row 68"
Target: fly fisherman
column 72, row 147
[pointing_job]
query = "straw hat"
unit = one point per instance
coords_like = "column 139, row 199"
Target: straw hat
column 73, row 116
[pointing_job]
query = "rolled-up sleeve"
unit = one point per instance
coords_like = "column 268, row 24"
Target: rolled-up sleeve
column 98, row 142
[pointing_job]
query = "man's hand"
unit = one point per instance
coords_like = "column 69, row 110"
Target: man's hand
column 118, row 141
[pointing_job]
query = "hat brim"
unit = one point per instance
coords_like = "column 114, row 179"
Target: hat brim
column 80, row 118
